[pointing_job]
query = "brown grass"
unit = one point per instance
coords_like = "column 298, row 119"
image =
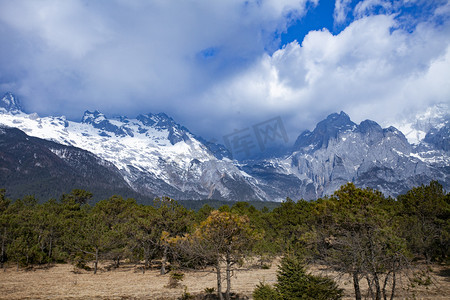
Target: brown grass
column 63, row 281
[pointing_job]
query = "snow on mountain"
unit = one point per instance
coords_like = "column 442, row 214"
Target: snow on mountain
column 9, row 103
column 154, row 153
column 433, row 117
column 46, row 169
column 157, row 156
column 338, row 151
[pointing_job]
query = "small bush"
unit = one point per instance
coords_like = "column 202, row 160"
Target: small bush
column 421, row 278
column 186, row 295
column 295, row 283
column 174, row 279
column 263, row 291
column 80, row 263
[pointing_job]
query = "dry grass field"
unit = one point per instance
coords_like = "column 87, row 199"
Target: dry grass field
column 63, row 281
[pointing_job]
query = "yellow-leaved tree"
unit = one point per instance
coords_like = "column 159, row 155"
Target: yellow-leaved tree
column 223, row 240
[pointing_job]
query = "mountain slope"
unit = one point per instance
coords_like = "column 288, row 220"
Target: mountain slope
column 155, row 155
column 433, row 118
column 46, row 169
column 338, row 151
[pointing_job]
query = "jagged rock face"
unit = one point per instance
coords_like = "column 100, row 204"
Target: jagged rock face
column 338, row 151
column 154, row 154
column 439, row 138
column 218, row 150
column 351, row 154
column 433, row 118
column 157, row 156
column 10, row 103
column 324, row 132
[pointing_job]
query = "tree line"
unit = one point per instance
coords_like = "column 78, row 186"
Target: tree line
column 358, row 232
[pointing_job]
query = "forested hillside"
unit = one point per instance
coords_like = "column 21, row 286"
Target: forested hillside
column 355, row 231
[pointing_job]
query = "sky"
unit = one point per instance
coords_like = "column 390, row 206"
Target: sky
column 224, row 65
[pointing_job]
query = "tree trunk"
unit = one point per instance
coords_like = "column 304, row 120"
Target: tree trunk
column 146, row 255
column 219, row 280
column 393, row 286
column 386, row 279
column 3, row 254
column 227, row 293
column 377, row 286
column 369, row 287
column 96, row 260
column 374, row 269
column 52, row 237
column 356, row 286
column 50, row 246
column 163, row 262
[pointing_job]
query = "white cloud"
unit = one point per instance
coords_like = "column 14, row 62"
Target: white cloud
column 371, row 70
column 134, row 54
column 366, row 7
column 68, row 26
column 206, row 62
column 341, row 9
column 443, row 10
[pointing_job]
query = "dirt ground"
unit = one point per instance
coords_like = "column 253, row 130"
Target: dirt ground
column 63, row 281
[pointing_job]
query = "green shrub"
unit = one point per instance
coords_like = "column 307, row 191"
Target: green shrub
column 186, row 295
column 295, row 283
column 174, row 279
column 264, row 291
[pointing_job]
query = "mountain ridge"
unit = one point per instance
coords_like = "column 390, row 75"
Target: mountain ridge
column 155, row 155
column 30, row 165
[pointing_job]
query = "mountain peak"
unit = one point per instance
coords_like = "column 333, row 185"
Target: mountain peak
column 369, row 126
column 100, row 121
column 324, row 131
column 93, row 117
column 10, row 103
column 337, row 120
column 161, row 121
column 333, row 124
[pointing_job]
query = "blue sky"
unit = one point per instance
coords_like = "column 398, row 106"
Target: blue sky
column 217, row 66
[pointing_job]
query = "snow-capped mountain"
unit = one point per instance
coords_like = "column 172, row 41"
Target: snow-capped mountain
column 10, row 103
column 434, row 117
column 338, row 151
column 29, row 165
column 157, row 156
column 154, row 154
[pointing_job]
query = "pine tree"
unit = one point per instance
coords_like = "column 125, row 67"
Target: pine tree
column 264, row 291
column 295, row 283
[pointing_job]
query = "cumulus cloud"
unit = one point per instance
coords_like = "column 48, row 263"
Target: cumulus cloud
column 367, row 7
column 372, row 70
column 341, row 9
column 217, row 66
column 86, row 53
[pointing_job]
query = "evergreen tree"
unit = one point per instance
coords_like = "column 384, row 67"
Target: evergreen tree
column 358, row 235
column 4, row 225
column 295, row 283
column 425, row 212
column 264, row 291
